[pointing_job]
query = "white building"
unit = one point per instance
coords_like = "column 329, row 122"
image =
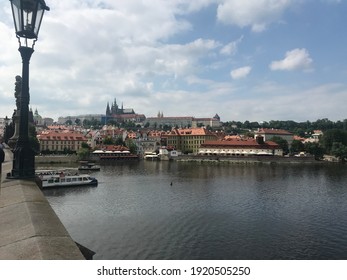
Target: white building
column 240, row 147
column 269, row 133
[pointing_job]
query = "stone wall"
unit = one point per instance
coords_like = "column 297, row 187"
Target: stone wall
column 56, row 159
column 29, row 227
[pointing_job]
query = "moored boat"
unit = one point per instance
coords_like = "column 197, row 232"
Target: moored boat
column 88, row 166
column 151, row 156
column 115, row 155
column 65, row 179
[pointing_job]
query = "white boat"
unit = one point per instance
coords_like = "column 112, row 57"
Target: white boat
column 151, row 156
column 64, row 179
column 88, row 166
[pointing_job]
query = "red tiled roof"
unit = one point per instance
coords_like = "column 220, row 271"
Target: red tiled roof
column 189, row 131
column 60, row 127
column 296, row 137
column 232, row 137
column 61, row 135
column 113, row 148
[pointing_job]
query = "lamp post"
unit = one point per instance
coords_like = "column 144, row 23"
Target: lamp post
column 27, row 16
column 6, row 129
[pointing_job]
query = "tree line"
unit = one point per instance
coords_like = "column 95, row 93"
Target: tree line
column 298, row 128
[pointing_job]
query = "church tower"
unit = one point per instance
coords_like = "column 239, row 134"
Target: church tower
column 108, row 110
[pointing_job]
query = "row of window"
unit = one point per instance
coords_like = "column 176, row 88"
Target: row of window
column 57, row 148
column 59, row 142
column 187, row 143
column 56, row 180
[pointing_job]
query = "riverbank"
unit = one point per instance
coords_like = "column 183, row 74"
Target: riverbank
column 247, row 159
column 73, row 159
column 52, row 159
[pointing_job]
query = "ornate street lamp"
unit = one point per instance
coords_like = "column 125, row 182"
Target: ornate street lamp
column 27, row 16
column 6, row 121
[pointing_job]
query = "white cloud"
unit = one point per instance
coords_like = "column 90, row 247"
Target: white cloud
column 103, row 49
column 294, row 60
column 240, row 73
column 231, row 48
column 294, row 103
column 254, row 13
column 151, row 56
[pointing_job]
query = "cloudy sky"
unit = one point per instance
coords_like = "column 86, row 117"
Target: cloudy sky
column 256, row 60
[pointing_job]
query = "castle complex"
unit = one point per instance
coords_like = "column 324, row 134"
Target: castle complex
column 119, row 114
column 116, row 114
column 115, row 110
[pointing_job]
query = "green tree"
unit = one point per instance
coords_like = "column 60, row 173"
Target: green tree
column 83, row 153
column 324, row 124
column 108, row 141
column 86, row 123
column 77, row 121
column 85, row 145
column 331, row 136
column 131, row 146
column 167, row 127
column 282, row 143
column 300, row 132
column 297, row 146
column 339, row 150
column 119, row 141
column 246, row 125
column 314, row 149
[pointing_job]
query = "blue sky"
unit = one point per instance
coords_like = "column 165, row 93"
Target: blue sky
column 256, row 60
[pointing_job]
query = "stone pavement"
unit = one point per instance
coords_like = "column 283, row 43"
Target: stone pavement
column 29, row 228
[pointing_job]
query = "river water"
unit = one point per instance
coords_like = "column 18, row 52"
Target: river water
column 175, row 210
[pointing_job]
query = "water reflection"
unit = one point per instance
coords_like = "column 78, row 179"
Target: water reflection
column 209, row 212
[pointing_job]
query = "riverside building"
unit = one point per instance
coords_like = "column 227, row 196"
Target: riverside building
column 60, row 140
column 187, row 140
column 241, row 147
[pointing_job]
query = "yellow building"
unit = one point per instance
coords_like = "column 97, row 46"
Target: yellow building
column 187, row 140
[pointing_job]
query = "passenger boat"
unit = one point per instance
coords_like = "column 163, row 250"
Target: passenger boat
column 88, row 166
column 49, row 179
column 115, row 155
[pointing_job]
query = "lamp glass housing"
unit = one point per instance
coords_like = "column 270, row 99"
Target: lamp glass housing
column 27, row 16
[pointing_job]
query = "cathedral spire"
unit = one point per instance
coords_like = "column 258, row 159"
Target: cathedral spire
column 108, row 111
